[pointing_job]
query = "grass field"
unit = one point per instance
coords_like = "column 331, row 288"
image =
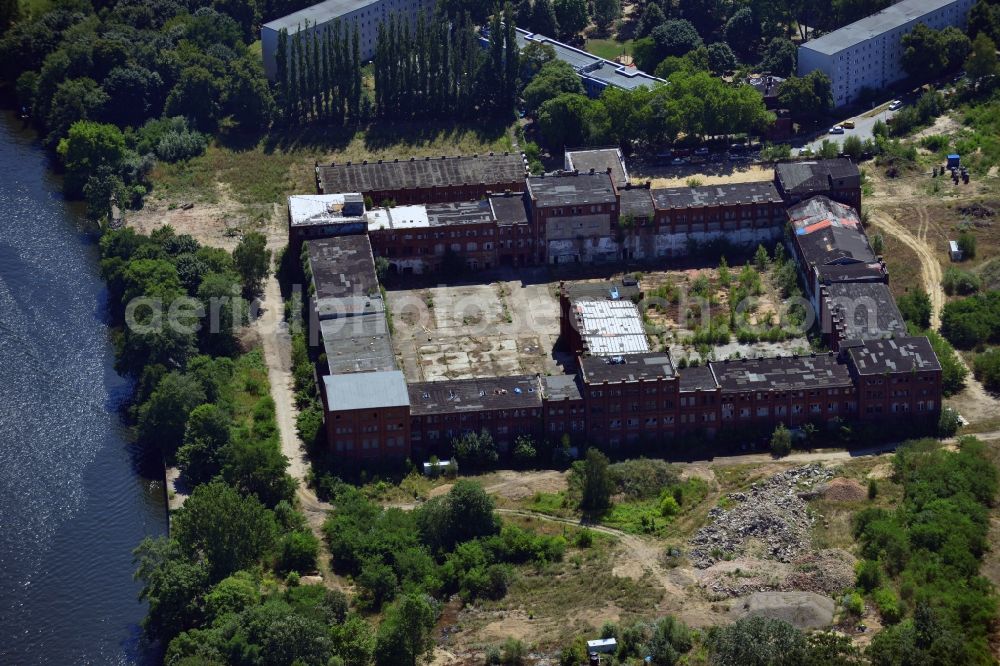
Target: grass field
column 608, row 48
column 264, row 169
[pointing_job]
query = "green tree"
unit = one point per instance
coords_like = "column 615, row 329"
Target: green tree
column 670, row 641
column 196, row 96
column 205, row 436
column 252, row 259
column 543, row 18
column 246, row 95
column 924, row 55
column 87, row 147
column 475, row 449
column 257, row 466
column 596, row 482
column 650, row 19
column 982, row 64
column 721, row 58
column 675, row 37
column 986, row 367
column 172, row 586
column 524, row 450
column 781, row 441
column 74, row 100
column 231, row 531
column 405, row 634
column 553, row 79
column 163, row 418
column 743, row 33
column 232, row 595
column 809, row 96
column 606, row 12
column 566, row 120
column 757, row 641
column 779, row 57
column 571, row 15
column 915, row 306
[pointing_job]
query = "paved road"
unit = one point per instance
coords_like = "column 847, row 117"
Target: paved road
column 862, row 127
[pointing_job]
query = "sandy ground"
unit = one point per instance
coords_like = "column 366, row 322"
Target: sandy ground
column 679, row 176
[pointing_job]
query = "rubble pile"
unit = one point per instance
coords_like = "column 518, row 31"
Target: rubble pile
column 771, row 513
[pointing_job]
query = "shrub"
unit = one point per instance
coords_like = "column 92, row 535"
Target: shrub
column 781, row 441
column 584, row 538
column 872, row 489
column 948, row 423
column 986, row 367
column 967, row 244
column 956, row 281
column 854, row 604
column 299, row 550
column 669, row 506
column 889, row 606
column 869, row 574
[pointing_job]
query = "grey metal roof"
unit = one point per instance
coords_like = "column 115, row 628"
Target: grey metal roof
column 358, row 344
column 833, row 245
column 571, row 189
column 781, row 373
column 879, row 23
column 873, row 357
column 342, row 266
column 366, row 390
column 637, row 202
column 816, row 175
column 509, row 208
column 494, row 169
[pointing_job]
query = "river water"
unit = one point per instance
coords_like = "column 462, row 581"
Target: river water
column 75, row 495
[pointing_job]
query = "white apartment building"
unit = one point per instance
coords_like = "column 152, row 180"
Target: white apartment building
column 869, row 53
column 366, row 14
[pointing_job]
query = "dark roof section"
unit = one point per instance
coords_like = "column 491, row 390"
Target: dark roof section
column 801, row 178
column 343, row 266
column 562, row 387
column 459, row 212
column 637, row 202
column 697, row 378
column 788, row 373
column 873, row 357
column 467, row 395
column 766, row 85
column 585, row 160
column 832, row 245
column 510, row 208
column 571, row 189
column 597, row 291
column 874, row 272
column 626, row 368
column 716, row 195
column 867, row 309
column 494, row 169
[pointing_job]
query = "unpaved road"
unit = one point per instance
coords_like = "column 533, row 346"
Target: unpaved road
column 930, row 267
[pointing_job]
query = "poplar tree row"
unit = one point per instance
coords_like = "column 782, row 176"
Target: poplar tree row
column 319, row 74
column 438, row 69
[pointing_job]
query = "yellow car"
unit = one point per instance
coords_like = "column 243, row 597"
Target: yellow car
column 847, row 124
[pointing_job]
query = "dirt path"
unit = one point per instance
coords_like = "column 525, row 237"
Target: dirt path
column 930, row 267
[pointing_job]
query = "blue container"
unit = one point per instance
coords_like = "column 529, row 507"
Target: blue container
column 954, row 161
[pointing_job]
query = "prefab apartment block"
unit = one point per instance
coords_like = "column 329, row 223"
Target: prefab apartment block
column 869, row 53
column 367, row 15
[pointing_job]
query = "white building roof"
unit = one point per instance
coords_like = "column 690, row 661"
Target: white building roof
column 319, row 208
column 398, row 217
column 611, row 327
column 317, row 14
column 877, row 24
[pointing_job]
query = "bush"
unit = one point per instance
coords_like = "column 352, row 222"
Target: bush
column 781, row 441
column 967, row 244
column 889, row 606
column 669, row 506
column 854, row 604
column 948, row 423
column 986, row 367
column 956, row 281
column 584, row 538
column 872, row 489
column 299, row 550
column 869, row 574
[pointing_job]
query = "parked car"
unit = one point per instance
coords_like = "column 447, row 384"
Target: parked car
column 678, row 161
column 837, row 129
column 703, row 151
column 895, row 105
column 848, row 124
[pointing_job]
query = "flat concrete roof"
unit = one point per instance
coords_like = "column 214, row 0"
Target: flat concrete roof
column 366, row 390
column 599, row 159
column 697, row 378
column 868, row 309
column 626, row 368
column 716, row 195
column 310, row 209
column 571, row 189
column 637, row 202
column 509, row 208
column 465, row 395
column 877, row 24
column 358, row 344
column 343, row 266
column 816, row 175
column 781, row 373
column 561, row 387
